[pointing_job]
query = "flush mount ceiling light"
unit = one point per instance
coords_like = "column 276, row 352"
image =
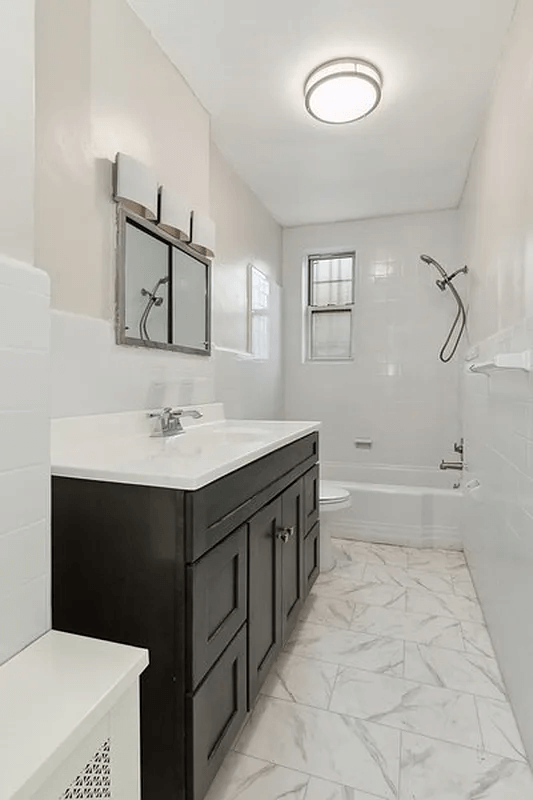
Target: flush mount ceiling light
column 343, row 90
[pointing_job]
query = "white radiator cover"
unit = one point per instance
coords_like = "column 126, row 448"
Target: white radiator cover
column 69, row 720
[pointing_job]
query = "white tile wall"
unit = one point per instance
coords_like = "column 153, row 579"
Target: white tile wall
column 498, row 520
column 498, row 231
column 24, row 456
column 92, row 375
column 251, row 388
column 396, row 391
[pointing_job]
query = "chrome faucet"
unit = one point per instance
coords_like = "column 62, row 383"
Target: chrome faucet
column 459, row 447
column 170, row 421
column 451, row 465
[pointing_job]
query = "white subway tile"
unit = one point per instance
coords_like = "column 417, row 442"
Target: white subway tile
column 25, row 439
column 24, row 616
column 21, row 372
column 23, row 556
column 24, row 497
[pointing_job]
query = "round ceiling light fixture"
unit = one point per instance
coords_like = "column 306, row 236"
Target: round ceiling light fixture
column 343, row 90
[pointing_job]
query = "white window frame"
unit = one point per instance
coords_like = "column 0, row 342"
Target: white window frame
column 252, row 312
column 312, row 310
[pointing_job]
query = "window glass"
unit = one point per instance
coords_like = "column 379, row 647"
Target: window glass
column 259, row 313
column 331, row 280
column 331, row 296
column 331, row 334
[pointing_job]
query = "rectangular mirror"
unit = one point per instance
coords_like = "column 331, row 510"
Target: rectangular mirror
column 163, row 289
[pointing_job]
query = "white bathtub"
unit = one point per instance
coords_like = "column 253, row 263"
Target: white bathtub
column 399, row 506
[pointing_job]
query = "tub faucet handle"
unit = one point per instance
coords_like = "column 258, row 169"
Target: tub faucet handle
column 459, row 447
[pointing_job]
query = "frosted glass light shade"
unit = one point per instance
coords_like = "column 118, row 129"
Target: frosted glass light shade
column 136, row 186
column 174, row 214
column 203, row 234
column 343, row 90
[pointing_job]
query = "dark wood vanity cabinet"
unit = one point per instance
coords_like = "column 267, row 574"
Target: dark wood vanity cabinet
column 276, row 580
column 210, row 581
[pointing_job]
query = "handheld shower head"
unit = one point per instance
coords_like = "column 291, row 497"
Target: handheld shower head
column 448, row 351
column 431, row 261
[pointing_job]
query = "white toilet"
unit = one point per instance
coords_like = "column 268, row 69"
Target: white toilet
column 333, row 498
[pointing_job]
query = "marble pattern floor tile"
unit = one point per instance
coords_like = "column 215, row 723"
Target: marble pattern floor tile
column 397, row 624
column 499, row 729
column 436, row 560
column 409, row 578
column 460, row 572
column 346, row 648
column 331, row 611
column 318, row 789
column 463, row 587
column 398, row 703
column 374, row 553
column 332, row 746
column 388, row 689
column 451, row 669
column 443, row 605
column 476, row 639
column 244, row 778
column 433, row 770
column 301, row 680
column 373, row 593
column 346, row 555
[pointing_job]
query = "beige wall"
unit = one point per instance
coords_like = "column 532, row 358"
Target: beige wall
column 104, row 85
column 246, row 234
column 95, row 98
column 17, row 128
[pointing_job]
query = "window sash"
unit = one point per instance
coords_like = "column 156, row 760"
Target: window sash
column 340, row 349
column 312, row 345
column 312, row 282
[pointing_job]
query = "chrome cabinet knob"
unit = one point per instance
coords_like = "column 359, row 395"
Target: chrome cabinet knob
column 284, row 534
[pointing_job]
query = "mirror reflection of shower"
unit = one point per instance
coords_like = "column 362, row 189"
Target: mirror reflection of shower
column 449, row 348
column 154, row 301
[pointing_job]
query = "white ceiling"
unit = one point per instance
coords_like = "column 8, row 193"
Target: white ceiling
column 247, row 62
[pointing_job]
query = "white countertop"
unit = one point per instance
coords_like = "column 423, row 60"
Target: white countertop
column 51, row 695
column 118, row 447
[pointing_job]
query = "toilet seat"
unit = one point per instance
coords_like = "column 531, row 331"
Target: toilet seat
column 331, row 493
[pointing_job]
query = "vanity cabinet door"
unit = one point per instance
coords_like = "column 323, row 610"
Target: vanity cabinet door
column 215, row 715
column 264, row 594
column 216, row 593
column 311, row 498
column 312, row 557
column 292, row 556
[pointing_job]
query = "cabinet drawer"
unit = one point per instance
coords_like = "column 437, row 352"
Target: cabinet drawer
column 311, row 498
column 217, row 599
column 312, row 557
column 215, row 510
column 216, row 713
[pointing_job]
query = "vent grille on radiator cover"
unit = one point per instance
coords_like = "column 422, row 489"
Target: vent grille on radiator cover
column 94, row 783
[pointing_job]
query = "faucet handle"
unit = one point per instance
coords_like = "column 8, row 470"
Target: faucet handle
column 164, row 413
column 459, row 447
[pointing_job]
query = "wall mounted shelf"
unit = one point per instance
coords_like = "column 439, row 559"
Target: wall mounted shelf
column 522, row 361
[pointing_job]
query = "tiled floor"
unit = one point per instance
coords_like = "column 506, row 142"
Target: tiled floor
column 387, row 690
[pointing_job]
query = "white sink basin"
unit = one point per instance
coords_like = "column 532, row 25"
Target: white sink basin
column 119, row 448
column 199, row 441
